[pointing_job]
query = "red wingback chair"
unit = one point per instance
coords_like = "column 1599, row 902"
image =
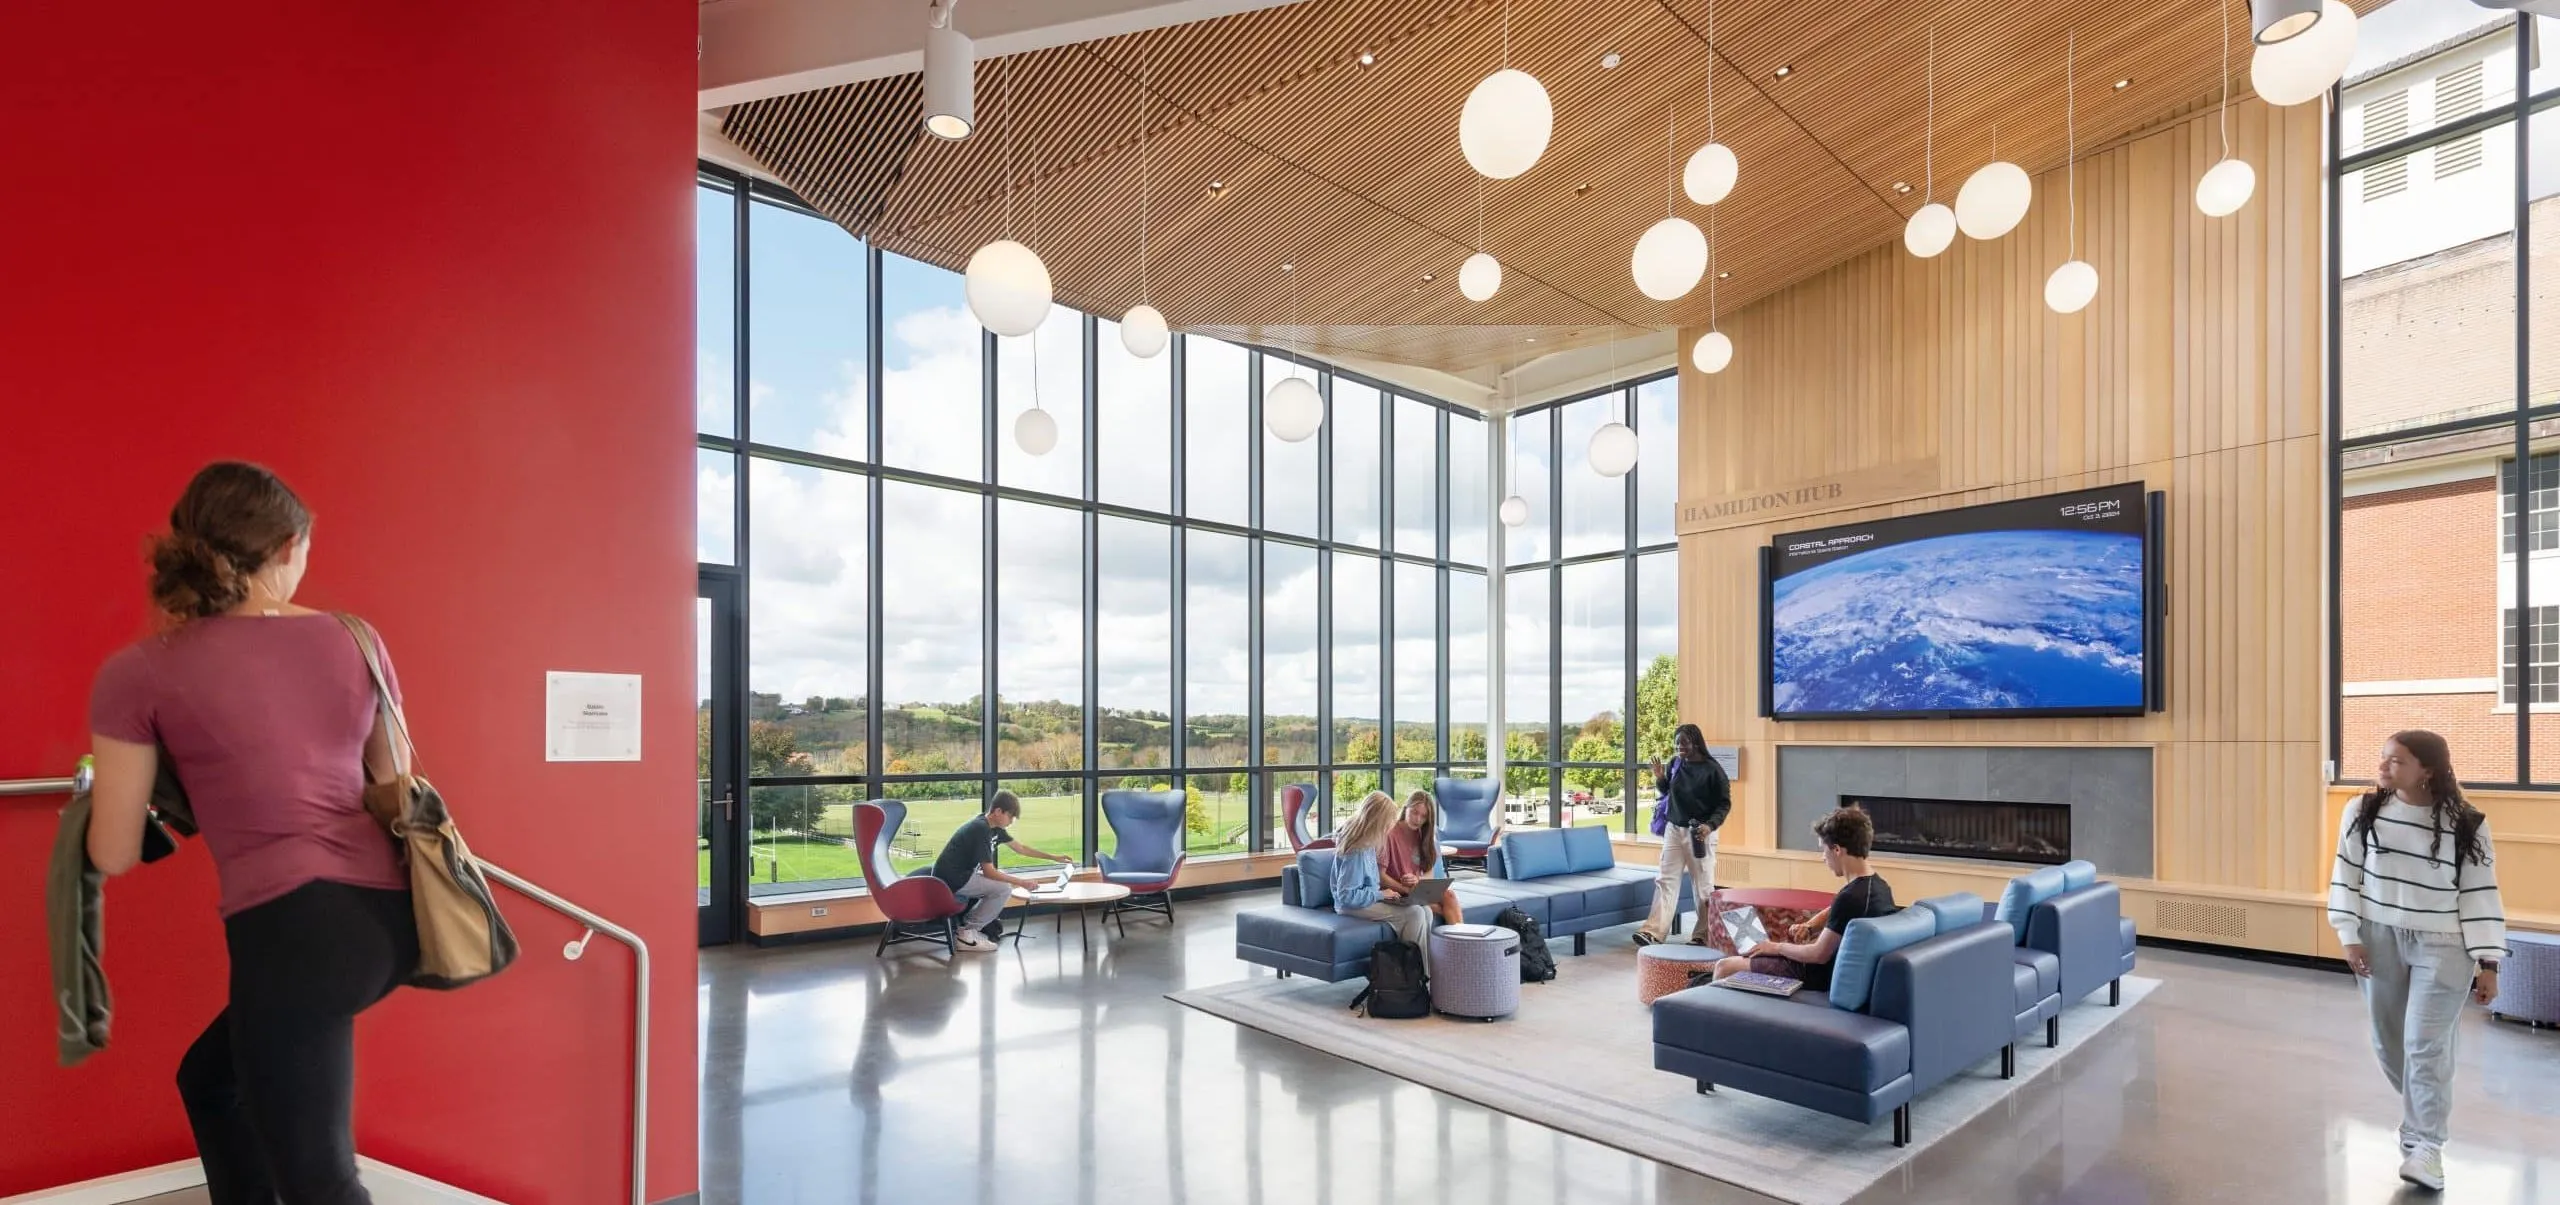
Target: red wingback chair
column 922, row 908
column 1300, row 801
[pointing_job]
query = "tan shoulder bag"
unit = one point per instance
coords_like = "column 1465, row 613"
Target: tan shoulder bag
column 462, row 939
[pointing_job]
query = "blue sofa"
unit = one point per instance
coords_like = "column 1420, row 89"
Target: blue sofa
column 2064, row 915
column 1565, row 880
column 1916, row 998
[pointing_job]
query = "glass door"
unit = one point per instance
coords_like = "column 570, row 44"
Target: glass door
column 716, row 762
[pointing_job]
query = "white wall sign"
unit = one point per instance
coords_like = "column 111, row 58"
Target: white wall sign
column 592, row 717
column 1730, row 757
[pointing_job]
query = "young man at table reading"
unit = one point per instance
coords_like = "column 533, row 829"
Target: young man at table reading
column 1847, row 837
column 968, row 865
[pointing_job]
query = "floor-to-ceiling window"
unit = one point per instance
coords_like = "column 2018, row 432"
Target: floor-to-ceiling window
column 2446, row 391
column 1169, row 598
column 1590, row 610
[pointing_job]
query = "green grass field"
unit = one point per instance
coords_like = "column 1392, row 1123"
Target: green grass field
column 1051, row 823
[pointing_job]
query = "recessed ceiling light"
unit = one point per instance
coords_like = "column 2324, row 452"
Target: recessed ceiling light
column 1724, row 276
column 1902, row 186
column 1367, row 59
column 1580, row 189
column 2124, row 83
column 1288, row 267
column 1609, row 61
column 1784, row 72
column 1533, row 338
column 1428, row 277
column 1217, row 186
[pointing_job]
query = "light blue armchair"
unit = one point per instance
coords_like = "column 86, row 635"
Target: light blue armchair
column 1148, row 825
column 1467, row 824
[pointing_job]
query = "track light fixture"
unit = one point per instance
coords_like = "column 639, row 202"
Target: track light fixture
column 950, row 70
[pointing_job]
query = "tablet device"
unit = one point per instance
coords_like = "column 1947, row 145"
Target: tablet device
column 1428, row 892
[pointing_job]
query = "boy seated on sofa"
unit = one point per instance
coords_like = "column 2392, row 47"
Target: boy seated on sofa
column 1847, row 837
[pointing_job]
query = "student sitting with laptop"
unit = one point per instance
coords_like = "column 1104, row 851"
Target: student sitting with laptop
column 1847, row 837
column 1411, row 851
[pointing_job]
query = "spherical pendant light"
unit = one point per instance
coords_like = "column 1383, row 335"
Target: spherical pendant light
column 1711, row 352
column 1710, row 174
column 1035, row 432
column 1480, row 277
column 2226, row 187
column 1932, row 229
column 1143, row 332
column 1994, row 200
column 1506, row 122
column 1613, row 450
column 1515, row 511
column 1008, row 288
column 2302, row 68
column 1292, row 409
column 2071, row 287
column 1669, row 259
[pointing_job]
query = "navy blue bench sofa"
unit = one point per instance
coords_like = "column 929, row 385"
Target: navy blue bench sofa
column 1567, row 880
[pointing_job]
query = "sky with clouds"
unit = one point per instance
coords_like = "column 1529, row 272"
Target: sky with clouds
column 810, row 586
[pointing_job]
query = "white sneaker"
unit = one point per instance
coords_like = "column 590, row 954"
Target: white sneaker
column 2424, row 1167
column 975, row 942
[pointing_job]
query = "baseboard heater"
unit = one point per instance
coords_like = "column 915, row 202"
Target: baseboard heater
column 389, row 1186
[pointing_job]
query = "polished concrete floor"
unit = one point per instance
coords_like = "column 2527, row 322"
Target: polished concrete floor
column 1060, row 1073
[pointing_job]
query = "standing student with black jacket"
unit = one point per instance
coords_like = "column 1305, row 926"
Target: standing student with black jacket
column 1697, row 799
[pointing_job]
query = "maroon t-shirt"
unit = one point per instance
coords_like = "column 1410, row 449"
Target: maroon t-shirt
column 265, row 719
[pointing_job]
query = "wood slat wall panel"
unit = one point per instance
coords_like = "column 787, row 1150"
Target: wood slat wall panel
column 2195, row 371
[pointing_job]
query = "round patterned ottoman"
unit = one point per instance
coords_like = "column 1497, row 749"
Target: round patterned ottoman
column 1475, row 971
column 1662, row 969
column 2529, row 980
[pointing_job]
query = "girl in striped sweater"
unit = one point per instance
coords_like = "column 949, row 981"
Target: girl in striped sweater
column 2414, row 897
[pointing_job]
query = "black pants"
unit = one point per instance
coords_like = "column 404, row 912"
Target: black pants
column 270, row 1086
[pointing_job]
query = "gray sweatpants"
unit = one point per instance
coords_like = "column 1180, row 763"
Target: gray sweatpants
column 985, row 897
column 1412, row 923
column 2414, row 997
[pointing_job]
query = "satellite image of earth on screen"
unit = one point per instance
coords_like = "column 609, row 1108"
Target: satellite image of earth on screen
column 1980, row 621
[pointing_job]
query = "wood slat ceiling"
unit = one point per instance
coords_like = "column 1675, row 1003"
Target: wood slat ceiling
column 1354, row 174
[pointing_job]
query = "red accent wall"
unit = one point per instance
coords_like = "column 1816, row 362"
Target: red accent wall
column 433, row 263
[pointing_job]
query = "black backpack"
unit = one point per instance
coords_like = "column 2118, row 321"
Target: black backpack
column 1396, row 986
column 1536, row 964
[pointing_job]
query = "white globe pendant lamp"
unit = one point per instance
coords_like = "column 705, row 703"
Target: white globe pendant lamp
column 1672, row 254
column 2227, row 185
column 2303, row 67
column 1142, row 328
column 1993, row 200
column 1932, row 227
column 1480, row 277
column 1291, row 407
column 1143, row 331
column 1711, row 353
column 1036, row 432
column 1613, row 449
column 1515, row 511
column 2075, row 284
column 1507, row 119
column 1712, row 168
column 1006, row 284
column 1008, row 288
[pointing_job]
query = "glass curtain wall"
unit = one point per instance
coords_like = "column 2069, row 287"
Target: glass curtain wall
column 2445, row 403
column 1591, row 611
column 1169, row 599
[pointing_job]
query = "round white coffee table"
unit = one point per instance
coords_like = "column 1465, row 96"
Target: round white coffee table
column 1079, row 894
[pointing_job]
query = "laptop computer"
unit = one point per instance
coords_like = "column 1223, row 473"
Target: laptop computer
column 1428, row 892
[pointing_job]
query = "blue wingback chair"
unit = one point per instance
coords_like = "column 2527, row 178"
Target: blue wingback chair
column 1467, row 823
column 1148, row 825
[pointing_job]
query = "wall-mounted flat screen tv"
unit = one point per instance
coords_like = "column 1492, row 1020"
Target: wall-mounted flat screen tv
column 2040, row 607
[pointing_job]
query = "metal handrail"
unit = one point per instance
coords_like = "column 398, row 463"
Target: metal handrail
column 573, row 951
column 639, row 1007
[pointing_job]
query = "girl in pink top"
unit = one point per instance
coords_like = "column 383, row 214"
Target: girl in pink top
column 267, row 713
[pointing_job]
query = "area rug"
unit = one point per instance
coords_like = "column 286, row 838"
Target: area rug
column 1578, row 1057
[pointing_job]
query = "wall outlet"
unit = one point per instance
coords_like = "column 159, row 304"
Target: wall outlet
column 817, row 912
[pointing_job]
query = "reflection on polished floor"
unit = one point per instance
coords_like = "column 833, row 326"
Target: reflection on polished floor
column 1050, row 1074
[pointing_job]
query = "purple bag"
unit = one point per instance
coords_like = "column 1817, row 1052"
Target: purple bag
column 1662, row 804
